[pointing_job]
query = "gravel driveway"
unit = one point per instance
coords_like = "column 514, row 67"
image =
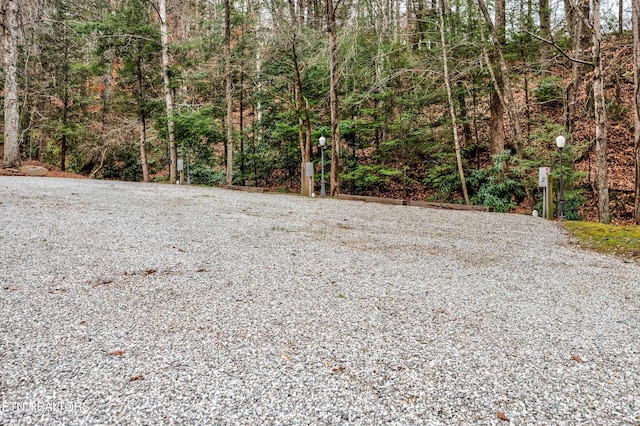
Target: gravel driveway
column 125, row 303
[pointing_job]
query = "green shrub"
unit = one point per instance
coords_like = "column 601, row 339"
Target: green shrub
column 549, row 92
column 201, row 174
column 499, row 186
column 366, row 178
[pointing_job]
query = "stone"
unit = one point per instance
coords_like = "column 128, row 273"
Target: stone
column 34, row 171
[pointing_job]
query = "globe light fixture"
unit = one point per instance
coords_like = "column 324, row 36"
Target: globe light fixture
column 560, row 141
column 322, row 141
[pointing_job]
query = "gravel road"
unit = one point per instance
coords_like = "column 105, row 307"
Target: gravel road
column 125, row 303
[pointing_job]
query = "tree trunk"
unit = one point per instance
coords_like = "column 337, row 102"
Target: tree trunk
column 11, row 157
column 143, row 150
column 447, row 84
column 577, row 43
column 304, row 121
column 636, row 91
column 143, row 119
column 545, row 33
column 497, row 107
column 508, row 100
column 227, row 73
column 600, row 111
column 164, row 41
column 333, row 98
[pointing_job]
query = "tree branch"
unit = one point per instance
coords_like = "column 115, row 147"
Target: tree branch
column 559, row 49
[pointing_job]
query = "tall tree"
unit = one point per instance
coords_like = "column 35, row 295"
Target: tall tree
column 497, row 107
column 636, row 101
column 577, row 20
column 503, row 83
column 228, row 98
column 545, row 32
column 333, row 95
column 600, row 110
column 452, row 112
column 11, row 104
column 164, row 41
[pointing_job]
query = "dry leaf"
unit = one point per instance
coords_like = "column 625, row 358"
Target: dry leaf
column 56, row 291
column 285, row 357
column 138, row 377
column 337, row 370
column 83, row 323
column 577, row 359
column 150, row 271
column 502, row 417
column 13, row 288
column 441, row 311
column 116, row 353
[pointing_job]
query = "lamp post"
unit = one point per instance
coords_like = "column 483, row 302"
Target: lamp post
column 560, row 140
column 321, row 142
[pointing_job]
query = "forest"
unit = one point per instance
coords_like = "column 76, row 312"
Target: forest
column 457, row 101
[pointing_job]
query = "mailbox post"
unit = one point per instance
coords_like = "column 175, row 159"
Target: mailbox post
column 181, row 170
column 544, row 183
column 308, row 173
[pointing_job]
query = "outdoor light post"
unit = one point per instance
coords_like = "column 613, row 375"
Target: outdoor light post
column 560, row 140
column 321, row 142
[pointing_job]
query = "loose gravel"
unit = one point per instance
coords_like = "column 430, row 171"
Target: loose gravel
column 125, row 303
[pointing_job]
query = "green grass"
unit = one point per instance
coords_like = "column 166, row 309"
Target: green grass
column 616, row 239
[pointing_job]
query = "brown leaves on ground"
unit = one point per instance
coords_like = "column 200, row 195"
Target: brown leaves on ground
column 137, row 377
column 576, row 358
column 116, row 353
column 503, row 417
column 57, row 290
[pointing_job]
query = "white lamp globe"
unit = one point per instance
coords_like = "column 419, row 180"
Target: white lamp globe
column 322, row 141
column 560, row 140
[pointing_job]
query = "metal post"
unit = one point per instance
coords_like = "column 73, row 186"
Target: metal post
column 561, row 203
column 323, row 191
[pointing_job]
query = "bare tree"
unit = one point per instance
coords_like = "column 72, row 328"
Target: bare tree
column 447, row 84
column 600, row 110
column 497, row 105
column 333, row 96
column 507, row 99
column 11, row 105
column 228, row 99
column 636, row 91
column 577, row 18
column 164, row 41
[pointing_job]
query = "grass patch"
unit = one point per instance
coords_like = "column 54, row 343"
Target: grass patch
column 616, row 239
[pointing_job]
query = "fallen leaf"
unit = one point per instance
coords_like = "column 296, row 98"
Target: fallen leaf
column 56, row 291
column 202, row 270
column 502, row 417
column 441, row 311
column 337, row 370
column 577, row 359
column 101, row 282
column 13, row 288
column 83, row 323
column 151, row 271
column 138, row 377
column 116, row 353
column 285, row 357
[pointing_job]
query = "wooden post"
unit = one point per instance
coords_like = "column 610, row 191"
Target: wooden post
column 550, row 200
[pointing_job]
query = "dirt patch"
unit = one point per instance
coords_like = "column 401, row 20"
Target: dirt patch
column 53, row 171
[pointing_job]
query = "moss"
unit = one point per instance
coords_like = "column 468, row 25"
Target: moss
column 621, row 240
